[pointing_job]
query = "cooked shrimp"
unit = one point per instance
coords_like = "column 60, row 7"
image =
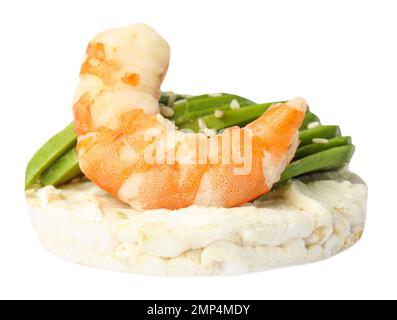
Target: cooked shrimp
column 117, row 121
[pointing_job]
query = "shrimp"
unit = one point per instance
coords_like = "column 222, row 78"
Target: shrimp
column 117, row 119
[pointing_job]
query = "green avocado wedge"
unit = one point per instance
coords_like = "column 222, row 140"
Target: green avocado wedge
column 318, row 147
column 63, row 170
column 239, row 117
column 207, row 102
column 309, row 118
column 320, row 132
column 51, row 151
column 331, row 159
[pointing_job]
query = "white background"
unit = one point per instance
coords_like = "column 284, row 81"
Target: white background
column 340, row 55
